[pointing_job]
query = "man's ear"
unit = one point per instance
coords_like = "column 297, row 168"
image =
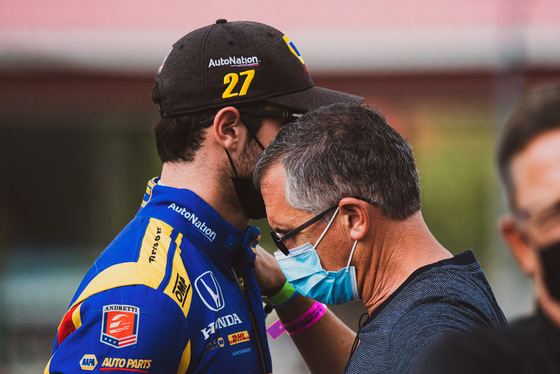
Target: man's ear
column 228, row 128
column 355, row 217
column 518, row 244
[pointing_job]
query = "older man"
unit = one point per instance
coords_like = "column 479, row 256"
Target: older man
column 529, row 166
column 342, row 197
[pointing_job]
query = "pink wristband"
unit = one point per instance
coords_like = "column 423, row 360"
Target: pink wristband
column 300, row 324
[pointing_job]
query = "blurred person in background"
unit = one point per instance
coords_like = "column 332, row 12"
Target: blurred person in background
column 175, row 291
column 342, row 195
column 528, row 160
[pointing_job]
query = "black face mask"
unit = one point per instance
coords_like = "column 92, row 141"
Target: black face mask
column 549, row 257
column 249, row 197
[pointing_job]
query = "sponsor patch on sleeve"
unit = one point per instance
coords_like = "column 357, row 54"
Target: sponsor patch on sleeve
column 120, row 325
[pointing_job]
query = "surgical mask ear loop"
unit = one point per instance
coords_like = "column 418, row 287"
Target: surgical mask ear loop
column 326, row 229
column 351, row 254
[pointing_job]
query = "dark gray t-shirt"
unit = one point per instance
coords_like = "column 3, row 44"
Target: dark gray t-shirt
column 445, row 297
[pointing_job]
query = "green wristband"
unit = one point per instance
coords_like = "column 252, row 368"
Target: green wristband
column 285, row 294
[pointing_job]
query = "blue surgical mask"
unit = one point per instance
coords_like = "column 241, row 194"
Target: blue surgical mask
column 303, row 270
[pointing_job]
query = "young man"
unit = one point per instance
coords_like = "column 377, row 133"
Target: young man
column 529, row 167
column 342, row 196
column 175, row 291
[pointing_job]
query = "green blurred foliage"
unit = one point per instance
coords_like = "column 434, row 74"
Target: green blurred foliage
column 266, row 240
column 455, row 159
column 70, row 185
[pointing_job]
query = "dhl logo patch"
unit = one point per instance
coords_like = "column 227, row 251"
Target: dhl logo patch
column 238, row 337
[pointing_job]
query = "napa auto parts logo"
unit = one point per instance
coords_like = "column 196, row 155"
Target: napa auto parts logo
column 88, row 362
column 120, row 325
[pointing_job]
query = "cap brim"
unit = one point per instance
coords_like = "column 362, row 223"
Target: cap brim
column 313, row 98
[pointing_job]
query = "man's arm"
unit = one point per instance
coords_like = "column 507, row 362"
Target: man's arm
column 325, row 346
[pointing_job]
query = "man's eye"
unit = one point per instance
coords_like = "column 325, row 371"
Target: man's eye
column 281, row 232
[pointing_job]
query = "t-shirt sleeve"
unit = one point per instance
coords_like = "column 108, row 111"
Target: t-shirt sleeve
column 131, row 328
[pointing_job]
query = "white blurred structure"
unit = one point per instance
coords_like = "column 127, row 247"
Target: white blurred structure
column 363, row 35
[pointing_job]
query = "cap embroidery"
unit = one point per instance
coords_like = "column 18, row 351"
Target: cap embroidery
column 234, row 61
column 295, row 51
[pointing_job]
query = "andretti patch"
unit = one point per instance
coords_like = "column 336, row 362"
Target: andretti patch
column 120, row 325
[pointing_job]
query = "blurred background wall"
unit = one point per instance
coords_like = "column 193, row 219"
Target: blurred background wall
column 75, row 117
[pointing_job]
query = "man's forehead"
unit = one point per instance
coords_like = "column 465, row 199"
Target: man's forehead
column 536, row 172
column 274, row 174
column 272, row 186
column 279, row 211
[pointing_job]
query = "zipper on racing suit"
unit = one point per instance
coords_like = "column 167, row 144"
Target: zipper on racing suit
column 241, row 283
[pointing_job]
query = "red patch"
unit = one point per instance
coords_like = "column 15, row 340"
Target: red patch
column 120, row 325
column 67, row 326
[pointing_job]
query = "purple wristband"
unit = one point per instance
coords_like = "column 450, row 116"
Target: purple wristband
column 306, row 320
column 300, row 324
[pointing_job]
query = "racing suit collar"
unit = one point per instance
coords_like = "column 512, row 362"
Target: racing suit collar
column 201, row 224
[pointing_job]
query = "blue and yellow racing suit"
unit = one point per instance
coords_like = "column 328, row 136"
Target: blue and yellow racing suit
column 173, row 293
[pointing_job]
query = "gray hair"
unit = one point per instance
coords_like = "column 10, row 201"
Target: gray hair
column 344, row 150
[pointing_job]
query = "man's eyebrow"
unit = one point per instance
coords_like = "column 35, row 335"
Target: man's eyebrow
column 552, row 208
column 279, row 230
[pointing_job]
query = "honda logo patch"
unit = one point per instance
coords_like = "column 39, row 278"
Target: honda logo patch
column 209, row 291
column 120, row 325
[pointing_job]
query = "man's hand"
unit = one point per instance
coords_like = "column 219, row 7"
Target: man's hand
column 269, row 276
column 325, row 346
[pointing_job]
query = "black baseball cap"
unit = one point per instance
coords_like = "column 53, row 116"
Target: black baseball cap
column 230, row 63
